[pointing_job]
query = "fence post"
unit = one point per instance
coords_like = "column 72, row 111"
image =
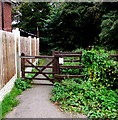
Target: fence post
column 53, row 64
column 1, row 61
column 38, row 42
column 35, row 45
column 56, row 68
column 30, row 39
column 16, row 33
column 23, row 66
column 56, row 63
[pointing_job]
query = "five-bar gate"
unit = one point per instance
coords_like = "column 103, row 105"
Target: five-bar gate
column 27, row 61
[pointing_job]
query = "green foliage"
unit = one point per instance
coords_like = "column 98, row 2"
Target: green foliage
column 31, row 15
column 22, row 84
column 100, row 68
column 73, row 25
column 96, row 95
column 10, row 101
column 108, row 35
column 85, row 98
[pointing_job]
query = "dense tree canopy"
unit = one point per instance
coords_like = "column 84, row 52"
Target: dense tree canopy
column 31, row 15
column 67, row 26
column 75, row 25
column 109, row 32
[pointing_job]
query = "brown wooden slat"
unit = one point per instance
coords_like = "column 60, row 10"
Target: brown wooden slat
column 69, row 76
column 39, row 66
column 35, row 57
column 70, row 52
column 40, row 72
column 39, row 78
column 115, row 55
column 71, row 60
column 80, row 66
column 68, row 55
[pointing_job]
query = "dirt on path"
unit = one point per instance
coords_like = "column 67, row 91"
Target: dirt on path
column 35, row 103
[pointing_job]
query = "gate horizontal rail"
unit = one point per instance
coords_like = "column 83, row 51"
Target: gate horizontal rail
column 68, row 55
column 77, row 67
column 71, row 52
column 69, row 76
column 38, row 78
column 40, row 72
column 36, row 57
column 115, row 55
column 39, row 66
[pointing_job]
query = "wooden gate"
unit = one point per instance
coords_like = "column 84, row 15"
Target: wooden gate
column 28, row 61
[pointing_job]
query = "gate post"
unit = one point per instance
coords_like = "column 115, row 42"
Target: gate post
column 56, row 68
column 23, row 65
column 53, row 64
column 16, row 33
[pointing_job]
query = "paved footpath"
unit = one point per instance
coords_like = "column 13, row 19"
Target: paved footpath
column 35, row 103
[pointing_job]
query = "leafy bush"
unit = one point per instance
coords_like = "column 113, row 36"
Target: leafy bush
column 95, row 102
column 100, row 68
column 109, row 25
column 22, row 84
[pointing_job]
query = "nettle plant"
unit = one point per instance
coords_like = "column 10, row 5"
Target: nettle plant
column 22, row 84
column 100, row 68
column 85, row 98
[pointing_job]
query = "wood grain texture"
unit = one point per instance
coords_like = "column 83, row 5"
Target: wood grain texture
column 7, row 57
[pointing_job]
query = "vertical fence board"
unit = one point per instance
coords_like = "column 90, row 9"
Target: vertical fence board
column 33, row 48
column 1, row 61
column 25, row 45
column 8, row 51
column 37, row 46
column 10, row 55
column 4, row 42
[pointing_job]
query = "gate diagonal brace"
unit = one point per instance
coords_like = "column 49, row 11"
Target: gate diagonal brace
column 40, row 71
column 44, row 69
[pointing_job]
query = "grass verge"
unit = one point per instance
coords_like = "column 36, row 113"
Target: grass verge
column 9, row 101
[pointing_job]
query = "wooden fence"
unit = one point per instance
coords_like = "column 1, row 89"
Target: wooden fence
column 11, row 47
